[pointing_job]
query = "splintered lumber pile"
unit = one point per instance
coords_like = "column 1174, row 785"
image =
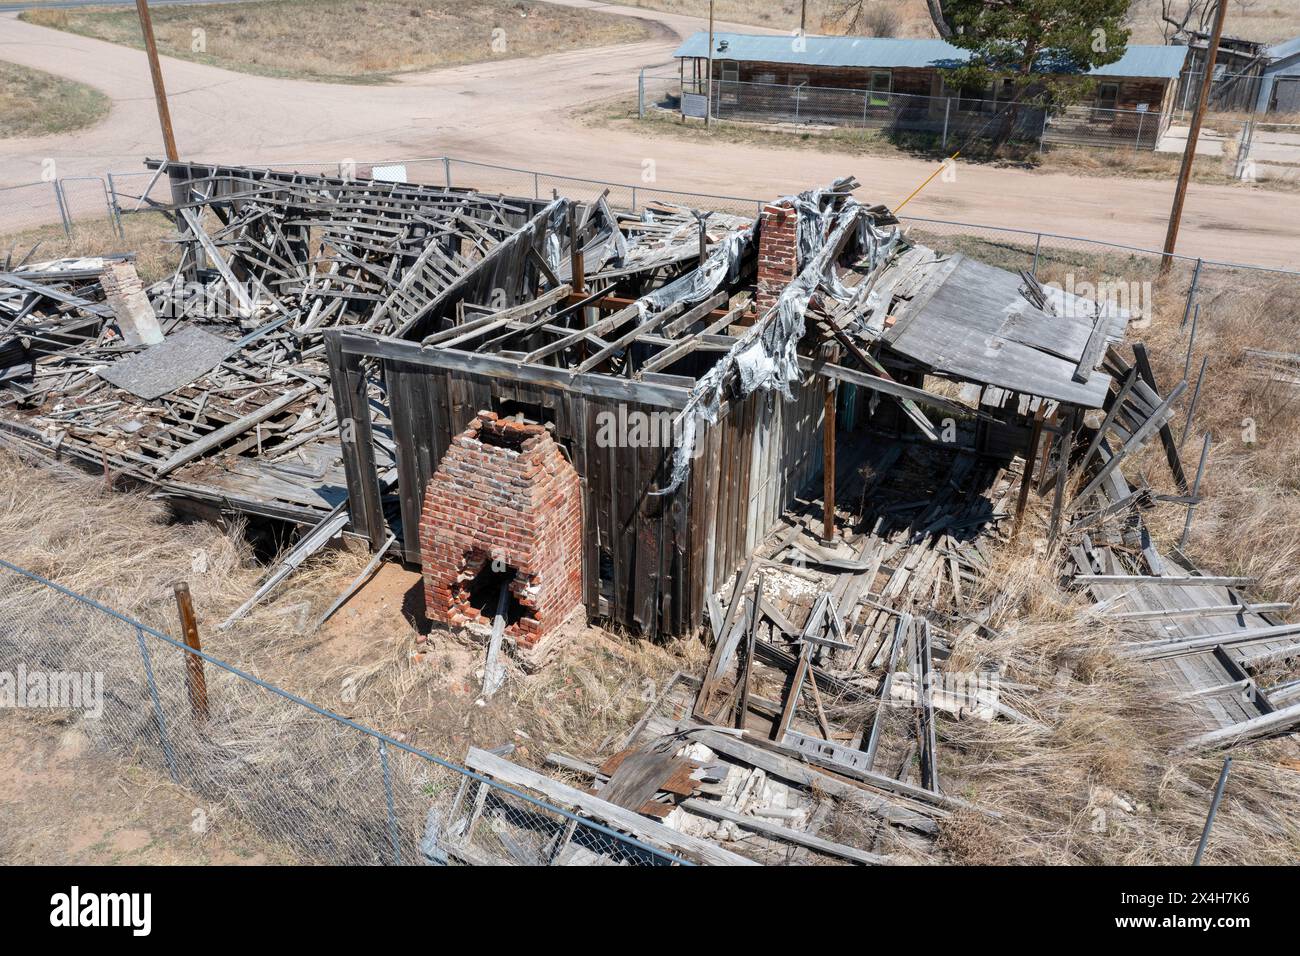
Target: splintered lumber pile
column 227, row 397
column 828, row 656
column 1198, row 632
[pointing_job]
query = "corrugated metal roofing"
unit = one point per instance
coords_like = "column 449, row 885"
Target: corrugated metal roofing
column 1287, row 48
column 1164, row 62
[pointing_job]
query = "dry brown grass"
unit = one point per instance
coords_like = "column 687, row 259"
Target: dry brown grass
column 354, row 40
column 125, row 551
column 35, row 103
column 1093, row 781
column 1267, row 21
column 1249, row 523
column 1144, row 164
column 910, row 15
column 147, row 236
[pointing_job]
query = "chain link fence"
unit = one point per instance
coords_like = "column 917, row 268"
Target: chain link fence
column 1049, row 257
column 1268, row 151
column 320, row 787
column 30, row 206
column 943, row 120
column 633, row 198
column 1229, row 92
column 59, row 203
column 1094, row 126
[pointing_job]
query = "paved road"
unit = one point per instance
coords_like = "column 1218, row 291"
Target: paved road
column 517, row 112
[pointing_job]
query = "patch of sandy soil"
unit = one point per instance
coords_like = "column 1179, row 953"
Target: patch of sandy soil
column 61, row 804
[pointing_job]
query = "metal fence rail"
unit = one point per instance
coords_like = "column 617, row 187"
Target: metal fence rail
column 317, row 787
column 43, row 203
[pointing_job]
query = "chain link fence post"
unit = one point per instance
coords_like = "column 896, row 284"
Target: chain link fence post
column 63, row 208
column 1191, row 292
column 115, row 207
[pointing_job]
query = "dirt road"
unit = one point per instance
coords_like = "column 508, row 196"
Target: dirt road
column 517, row 112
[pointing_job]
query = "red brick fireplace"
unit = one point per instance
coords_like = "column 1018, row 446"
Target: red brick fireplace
column 778, row 253
column 504, row 506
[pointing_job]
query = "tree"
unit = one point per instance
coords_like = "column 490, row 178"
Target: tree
column 1037, row 48
column 937, row 18
column 1180, row 18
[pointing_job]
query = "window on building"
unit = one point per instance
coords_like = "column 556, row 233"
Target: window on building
column 971, row 98
column 1108, row 96
column 882, row 84
column 730, row 71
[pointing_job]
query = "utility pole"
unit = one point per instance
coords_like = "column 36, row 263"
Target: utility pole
column 708, row 89
column 1193, row 134
column 155, row 72
column 803, row 18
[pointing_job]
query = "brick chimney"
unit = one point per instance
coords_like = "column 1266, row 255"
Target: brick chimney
column 778, row 253
column 503, row 507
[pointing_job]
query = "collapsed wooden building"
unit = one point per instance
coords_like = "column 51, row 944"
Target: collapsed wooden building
column 328, row 341
column 802, row 436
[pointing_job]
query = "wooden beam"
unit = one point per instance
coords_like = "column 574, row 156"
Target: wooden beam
column 615, row 303
column 1027, row 474
column 1158, row 418
column 917, row 812
column 605, row 325
column 886, row 386
column 1093, row 348
column 828, row 460
column 1109, row 420
column 909, row 404
column 222, row 435
column 1178, row 646
column 219, row 261
column 1168, row 581
column 449, row 338
column 696, row 314
column 1278, row 720
column 792, row 696
column 1166, row 433
column 676, row 351
column 512, row 369
column 713, row 809
column 1206, row 610
column 623, row 341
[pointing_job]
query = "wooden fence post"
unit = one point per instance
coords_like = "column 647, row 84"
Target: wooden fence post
column 195, row 680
